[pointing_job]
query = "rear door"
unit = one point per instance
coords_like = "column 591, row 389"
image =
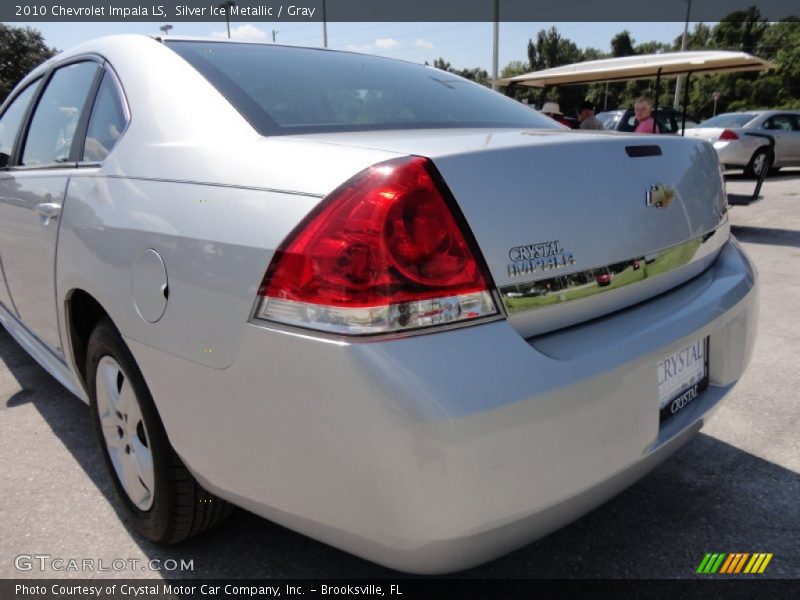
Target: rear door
column 787, row 139
column 10, row 125
column 32, row 192
column 794, row 139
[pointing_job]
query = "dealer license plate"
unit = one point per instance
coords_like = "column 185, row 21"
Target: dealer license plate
column 682, row 376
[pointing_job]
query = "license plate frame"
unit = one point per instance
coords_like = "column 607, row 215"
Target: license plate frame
column 677, row 390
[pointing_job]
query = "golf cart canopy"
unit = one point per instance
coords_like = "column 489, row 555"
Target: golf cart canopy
column 642, row 66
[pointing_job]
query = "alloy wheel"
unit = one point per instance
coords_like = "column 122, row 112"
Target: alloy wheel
column 125, row 433
column 759, row 162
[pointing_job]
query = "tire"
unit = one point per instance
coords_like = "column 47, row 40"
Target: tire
column 757, row 163
column 160, row 498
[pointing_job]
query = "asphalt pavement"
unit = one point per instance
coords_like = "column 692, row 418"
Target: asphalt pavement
column 735, row 488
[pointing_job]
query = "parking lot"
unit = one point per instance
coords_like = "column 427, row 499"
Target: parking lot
column 735, row 488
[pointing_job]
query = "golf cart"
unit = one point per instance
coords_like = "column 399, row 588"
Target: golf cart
column 646, row 66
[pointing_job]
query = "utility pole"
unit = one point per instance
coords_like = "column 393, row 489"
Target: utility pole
column 677, row 102
column 226, row 8
column 165, row 28
column 495, row 43
column 324, row 26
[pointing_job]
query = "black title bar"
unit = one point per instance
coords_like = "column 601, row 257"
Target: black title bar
column 541, row 11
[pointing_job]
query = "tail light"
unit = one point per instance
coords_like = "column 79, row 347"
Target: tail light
column 384, row 252
column 728, row 136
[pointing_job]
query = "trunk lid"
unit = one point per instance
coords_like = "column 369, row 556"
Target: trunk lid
column 709, row 134
column 563, row 216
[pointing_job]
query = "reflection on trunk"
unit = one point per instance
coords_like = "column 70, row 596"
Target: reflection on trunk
column 583, row 284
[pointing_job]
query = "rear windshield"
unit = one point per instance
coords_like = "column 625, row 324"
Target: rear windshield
column 728, row 120
column 285, row 90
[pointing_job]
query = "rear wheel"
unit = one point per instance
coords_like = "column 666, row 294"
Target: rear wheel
column 757, row 163
column 159, row 496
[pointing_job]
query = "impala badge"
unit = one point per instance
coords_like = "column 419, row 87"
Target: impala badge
column 660, row 196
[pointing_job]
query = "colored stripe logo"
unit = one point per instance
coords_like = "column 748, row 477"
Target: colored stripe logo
column 734, row 563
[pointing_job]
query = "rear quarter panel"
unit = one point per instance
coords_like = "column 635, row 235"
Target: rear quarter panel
column 216, row 243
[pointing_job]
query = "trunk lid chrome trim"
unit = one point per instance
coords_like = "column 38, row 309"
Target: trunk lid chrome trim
column 555, row 301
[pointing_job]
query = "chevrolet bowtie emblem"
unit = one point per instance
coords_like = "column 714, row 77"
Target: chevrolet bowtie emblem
column 660, row 196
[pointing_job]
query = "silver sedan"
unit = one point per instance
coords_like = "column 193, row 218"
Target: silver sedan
column 740, row 138
column 367, row 299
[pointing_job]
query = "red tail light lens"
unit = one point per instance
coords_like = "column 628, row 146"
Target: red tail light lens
column 381, row 253
column 728, row 136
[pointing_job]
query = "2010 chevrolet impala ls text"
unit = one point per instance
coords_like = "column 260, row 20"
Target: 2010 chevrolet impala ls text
column 369, row 300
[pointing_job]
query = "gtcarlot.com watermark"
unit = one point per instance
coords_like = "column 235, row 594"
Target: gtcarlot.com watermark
column 46, row 563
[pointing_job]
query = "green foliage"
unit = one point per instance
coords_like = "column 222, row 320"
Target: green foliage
column 781, row 44
column 653, row 48
column 514, row 68
column 622, row 45
column 21, row 49
column 740, row 30
column 748, row 32
column 699, row 39
column 475, row 74
column 442, row 64
column 522, row 94
column 552, row 50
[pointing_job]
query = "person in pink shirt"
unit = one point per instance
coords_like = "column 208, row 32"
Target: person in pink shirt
column 643, row 111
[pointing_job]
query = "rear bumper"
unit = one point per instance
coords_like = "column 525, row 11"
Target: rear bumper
column 436, row 452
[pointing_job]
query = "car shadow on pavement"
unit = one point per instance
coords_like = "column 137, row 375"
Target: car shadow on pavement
column 709, row 497
column 766, row 235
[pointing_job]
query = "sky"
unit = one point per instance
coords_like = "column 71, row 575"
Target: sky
column 464, row 45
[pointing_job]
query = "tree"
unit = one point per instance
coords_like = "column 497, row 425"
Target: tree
column 21, row 49
column 622, row 44
column 780, row 87
column 741, row 30
column 745, row 30
column 515, row 67
column 533, row 57
column 652, row 48
column 552, row 50
column 518, row 67
column 697, row 39
column 593, row 54
column 475, row 74
column 442, row 64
